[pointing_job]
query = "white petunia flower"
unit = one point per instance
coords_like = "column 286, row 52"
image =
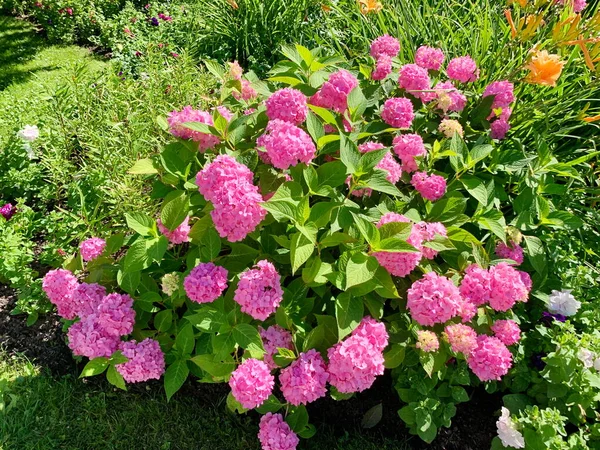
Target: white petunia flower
column 507, row 431
column 586, row 357
column 29, row 134
column 562, row 302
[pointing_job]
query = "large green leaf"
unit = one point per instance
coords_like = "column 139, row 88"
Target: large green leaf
column 175, row 209
column 348, row 312
column 175, row 376
column 247, row 337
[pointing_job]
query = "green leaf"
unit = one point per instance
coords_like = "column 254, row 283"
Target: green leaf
column 156, row 248
column 332, row 174
column 373, row 416
column 143, row 167
column 447, row 209
column 348, row 312
column 314, row 127
column 357, row 103
column 394, row 356
column 233, row 405
column 272, row 405
column 115, row 378
column 360, row 269
column 301, row 249
column 175, row 376
column 200, row 227
column 309, row 431
column 185, row 340
column 298, row 418
column 369, row 160
column 140, row 223
column 378, row 182
column 493, row 220
column 210, row 245
column 536, row 253
column 216, row 368
column 476, row 188
column 94, row 366
column 129, row 281
column 367, row 229
column 163, row 320
column 395, row 245
column 174, row 160
column 478, row 153
column 136, row 257
column 208, row 319
column 324, row 114
column 215, row 68
column 175, row 209
column 284, row 357
column 285, row 202
column 247, row 337
column 349, row 154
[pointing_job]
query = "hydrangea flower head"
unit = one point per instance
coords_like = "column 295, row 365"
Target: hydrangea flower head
column 170, row 283
column 490, row 360
column 506, row 287
column 385, row 45
column 146, row 361
column 305, row 379
column 462, row 338
column 286, row 144
column 415, row 80
column 222, row 176
column 427, row 341
column 92, row 248
column 507, row 331
column 334, row 92
column 374, row 331
column 563, row 302
column 176, row 120
column 179, row 235
column 407, row 147
column 383, row 68
column 115, row 314
column 59, row 285
column 259, row 290
column 273, row 338
column 86, row 298
column 205, row 283
column 429, row 230
column 450, row 127
column 503, row 92
column 287, row 104
column 275, row 434
column 512, row 251
column 463, row 69
column 398, row 112
column 431, row 187
column 449, row 98
column 400, row 264
column 247, row 92
column 475, row 285
column 7, row 211
column 251, row 383
column 499, row 128
column 507, row 431
column 89, row 338
column 235, row 219
column 429, row 57
column 29, row 133
column 433, row 299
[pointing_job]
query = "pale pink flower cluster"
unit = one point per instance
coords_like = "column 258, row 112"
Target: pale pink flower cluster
column 225, row 112
column 179, row 235
column 383, row 68
column 450, row 127
column 433, row 299
column 259, row 290
column 431, row 187
column 512, row 251
column 275, row 434
column 449, row 98
column 92, row 248
column 398, row 112
column 288, row 105
column 415, row 80
column 407, row 147
column 385, row 45
column 490, row 360
column 462, row 338
column 228, row 185
column 427, row 341
column 251, row 383
column 429, row 57
column 176, row 120
column 507, row 331
column 305, row 379
column 355, row 362
column 247, row 93
column 274, row 338
column 146, row 361
column 59, row 285
column 205, row 283
column 463, row 69
column 86, row 298
column 334, row 92
column 429, row 230
column 286, row 145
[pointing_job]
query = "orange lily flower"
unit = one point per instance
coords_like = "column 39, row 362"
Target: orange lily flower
column 368, row 6
column 544, row 68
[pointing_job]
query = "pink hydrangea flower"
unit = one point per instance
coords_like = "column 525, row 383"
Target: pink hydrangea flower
column 288, row 105
column 506, row 287
column 225, row 113
column 275, row 434
column 475, row 285
column 235, row 219
column 89, row 338
column 235, row 70
column 259, row 290
column 503, row 92
column 305, row 379
column 429, row 230
column 526, row 279
column 385, row 45
column 86, row 298
column 449, row 98
column 467, row 311
column 334, row 92
column 499, row 128
column 179, row 235
column 512, row 251
column 414, row 80
column 398, row 112
column 462, row 338
column 222, row 176
column 463, row 69
column 401, row 264
column 427, row 341
column 176, row 120
column 92, row 248
column 507, row 331
column 286, row 144
column 146, row 361
column 407, row 147
column 431, row 187
column 374, row 331
column 578, row 5
column 247, row 93
column 59, row 285
column 429, row 57
column 115, row 314
column 274, row 338
column 433, row 299
column 251, row 383
column 383, row 68
column 205, row 283
column 490, row 360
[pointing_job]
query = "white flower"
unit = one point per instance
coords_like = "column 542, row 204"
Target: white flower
column 29, row 150
column 507, row 431
column 144, row 76
column 29, row 133
column 562, row 302
column 586, row 357
column 170, row 283
column 597, row 364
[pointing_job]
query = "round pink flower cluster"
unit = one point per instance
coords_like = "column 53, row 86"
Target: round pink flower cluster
column 225, row 113
column 398, row 112
column 429, row 58
column 228, row 185
column 176, row 120
column 506, row 287
column 259, row 290
column 503, row 92
column 429, row 230
column 499, row 128
column 334, row 92
column 115, row 314
column 374, row 331
column 578, row 5
column 431, row 187
column 490, row 360
column 275, row 434
column 385, row 45
column 274, row 338
column 463, row 69
column 86, row 298
column 512, row 251
column 247, row 93
column 427, row 341
column 88, row 338
column 288, row 105
column 305, row 379
column 92, row 248
column 251, row 383
column 407, row 147
column 179, row 235
column 383, row 68
column 475, row 285
column 433, row 299
column 59, row 285
column 415, row 80
column 462, row 338
column 507, row 331
column 400, row 264
column 146, row 361
column 355, row 362
column 449, row 98
column 286, row 145
column 205, row 283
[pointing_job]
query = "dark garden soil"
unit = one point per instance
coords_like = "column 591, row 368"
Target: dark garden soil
column 472, row 428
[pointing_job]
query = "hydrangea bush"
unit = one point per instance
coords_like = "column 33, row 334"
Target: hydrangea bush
column 317, row 228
